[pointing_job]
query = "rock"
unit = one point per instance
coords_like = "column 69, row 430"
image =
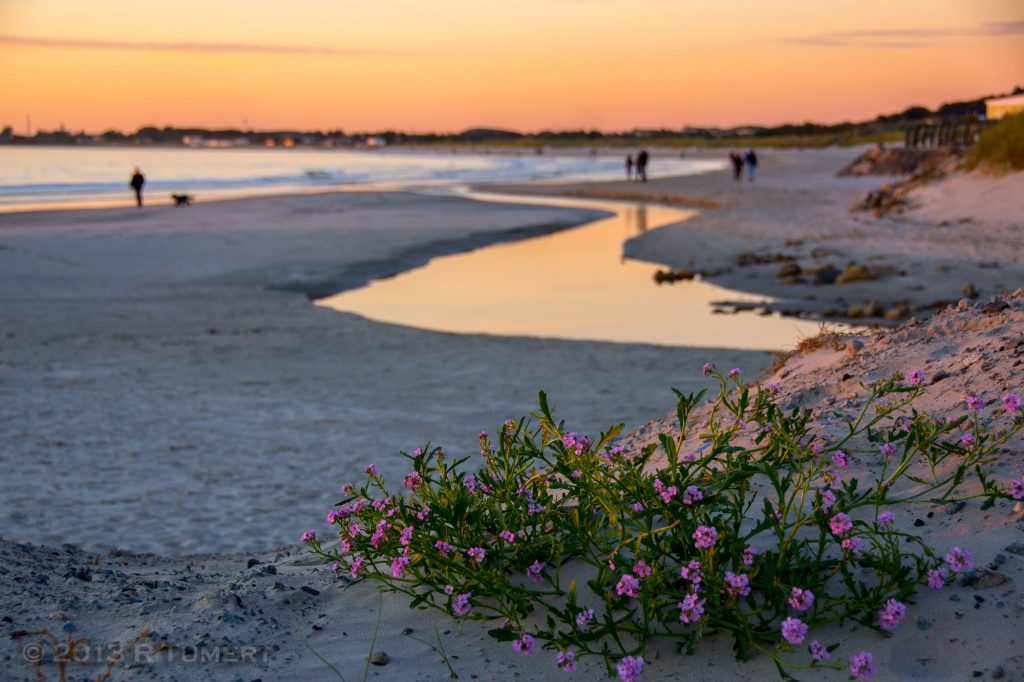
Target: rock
column 825, row 274
column 853, row 346
column 788, row 270
column 309, row 590
column 970, row 291
column 955, row 507
column 855, row 272
column 379, row 658
column 991, row 579
column 939, row 376
column 923, row 624
column 252, row 562
column 407, row 631
column 1015, row 548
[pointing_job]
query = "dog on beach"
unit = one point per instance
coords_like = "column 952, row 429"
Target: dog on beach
column 182, row 199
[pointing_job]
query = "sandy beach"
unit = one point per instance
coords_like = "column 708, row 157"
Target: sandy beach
column 176, row 411
column 964, row 230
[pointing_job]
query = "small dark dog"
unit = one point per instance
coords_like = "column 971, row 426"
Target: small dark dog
column 182, row 199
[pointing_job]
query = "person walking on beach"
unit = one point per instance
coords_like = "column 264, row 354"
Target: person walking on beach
column 751, row 160
column 629, row 166
column 737, row 165
column 137, row 181
column 641, row 165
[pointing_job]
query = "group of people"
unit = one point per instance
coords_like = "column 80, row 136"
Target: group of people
column 640, row 166
column 749, row 159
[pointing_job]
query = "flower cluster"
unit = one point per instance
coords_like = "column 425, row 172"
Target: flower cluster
column 762, row 540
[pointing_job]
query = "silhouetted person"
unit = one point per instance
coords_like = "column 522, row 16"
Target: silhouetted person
column 629, row 167
column 137, row 181
column 737, row 165
column 751, row 160
column 641, row 165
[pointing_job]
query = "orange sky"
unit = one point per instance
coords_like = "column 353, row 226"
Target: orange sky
column 447, row 65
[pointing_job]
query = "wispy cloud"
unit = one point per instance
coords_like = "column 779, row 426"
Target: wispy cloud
column 903, row 38
column 225, row 48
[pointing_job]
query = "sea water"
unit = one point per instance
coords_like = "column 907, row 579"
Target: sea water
column 54, row 177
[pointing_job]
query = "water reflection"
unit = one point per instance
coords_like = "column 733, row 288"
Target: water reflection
column 570, row 285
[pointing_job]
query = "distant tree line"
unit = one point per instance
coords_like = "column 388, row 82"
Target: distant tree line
column 174, row 136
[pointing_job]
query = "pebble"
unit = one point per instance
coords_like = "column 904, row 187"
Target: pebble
column 1015, row 548
column 309, row 590
column 954, row 507
column 379, row 658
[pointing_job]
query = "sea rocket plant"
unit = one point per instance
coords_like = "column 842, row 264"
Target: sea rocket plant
column 588, row 549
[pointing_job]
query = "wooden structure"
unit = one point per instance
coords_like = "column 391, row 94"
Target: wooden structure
column 945, row 132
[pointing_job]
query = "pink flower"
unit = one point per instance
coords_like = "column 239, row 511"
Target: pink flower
column 371, row 470
column 1011, row 402
column 737, row 584
column 794, row 630
column 937, row 577
column 818, row 652
column 357, row 565
column 891, row 614
column 691, row 572
column 476, row 553
column 641, row 569
column 691, row 608
column 840, row 524
column 862, row 665
column 850, row 544
column 398, row 565
column 748, row 556
column 443, row 547
column 692, row 494
column 507, row 536
column 734, row 372
column 886, row 518
column 308, row 537
column 525, row 643
column 959, row 559
column 630, row 668
column 887, row 449
column 627, row 586
column 584, row 617
column 1016, row 490
column 405, row 537
column 828, row 499
column 412, row 480
column 967, row 440
column 800, row 599
column 706, row 369
column 566, row 661
column 704, row 537
column 839, row 459
column 974, row 403
column 916, row 377
column 461, row 605
column 535, row 570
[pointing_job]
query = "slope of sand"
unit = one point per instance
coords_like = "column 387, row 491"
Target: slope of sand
column 165, row 377
column 965, row 229
column 277, row 608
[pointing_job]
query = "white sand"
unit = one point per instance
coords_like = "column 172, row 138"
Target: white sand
column 155, row 384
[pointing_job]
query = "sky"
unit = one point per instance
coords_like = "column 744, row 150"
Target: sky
column 449, row 65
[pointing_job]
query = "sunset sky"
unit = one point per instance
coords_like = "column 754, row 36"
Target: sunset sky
column 447, row 65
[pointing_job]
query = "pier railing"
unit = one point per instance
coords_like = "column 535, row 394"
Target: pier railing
column 946, row 132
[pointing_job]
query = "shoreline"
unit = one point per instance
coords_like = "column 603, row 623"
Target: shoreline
column 152, row 352
column 793, row 232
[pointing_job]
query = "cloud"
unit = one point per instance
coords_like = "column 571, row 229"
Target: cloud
column 224, row 48
column 903, row 38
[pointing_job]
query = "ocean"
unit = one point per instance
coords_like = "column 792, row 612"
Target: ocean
column 72, row 177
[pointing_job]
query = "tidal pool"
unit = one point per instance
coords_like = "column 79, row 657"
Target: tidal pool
column 574, row 284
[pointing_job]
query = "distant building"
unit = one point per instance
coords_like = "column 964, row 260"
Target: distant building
column 999, row 107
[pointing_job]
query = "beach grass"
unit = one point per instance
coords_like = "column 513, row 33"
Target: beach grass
column 1001, row 147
